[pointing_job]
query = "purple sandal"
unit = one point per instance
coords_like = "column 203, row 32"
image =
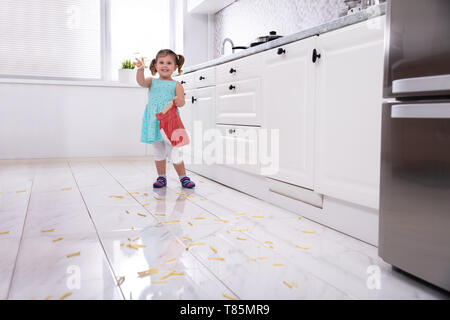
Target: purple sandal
column 187, row 183
column 160, row 182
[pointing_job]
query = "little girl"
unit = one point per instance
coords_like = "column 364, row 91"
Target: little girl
column 161, row 92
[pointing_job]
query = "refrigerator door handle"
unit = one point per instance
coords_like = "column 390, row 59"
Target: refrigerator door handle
column 422, row 84
column 423, row 110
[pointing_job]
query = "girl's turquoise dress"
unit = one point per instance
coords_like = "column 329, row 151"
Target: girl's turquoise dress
column 160, row 94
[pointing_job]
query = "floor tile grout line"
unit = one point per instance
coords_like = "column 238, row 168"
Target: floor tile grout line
column 175, row 236
column 21, row 237
column 96, row 230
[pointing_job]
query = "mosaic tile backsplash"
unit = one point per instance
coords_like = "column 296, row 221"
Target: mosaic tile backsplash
column 245, row 20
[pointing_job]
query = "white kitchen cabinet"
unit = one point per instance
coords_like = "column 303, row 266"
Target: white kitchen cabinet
column 348, row 112
column 207, row 6
column 186, row 115
column 205, row 77
column 240, row 69
column 239, row 103
column 288, row 104
column 203, row 119
column 240, row 147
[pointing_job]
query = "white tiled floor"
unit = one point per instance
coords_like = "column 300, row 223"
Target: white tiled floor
column 268, row 252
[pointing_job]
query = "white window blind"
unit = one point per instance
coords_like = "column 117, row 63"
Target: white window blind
column 51, row 38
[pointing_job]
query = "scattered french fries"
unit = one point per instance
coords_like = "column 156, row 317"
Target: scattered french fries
column 148, row 272
column 65, row 295
column 228, row 296
column 120, row 280
column 73, row 254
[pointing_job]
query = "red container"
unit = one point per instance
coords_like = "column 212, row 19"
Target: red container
column 173, row 127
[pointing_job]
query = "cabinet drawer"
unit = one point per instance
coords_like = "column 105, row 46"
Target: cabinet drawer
column 239, row 103
column 240, row 147
column 186, row 80
column 205, row 77
column 240, row 69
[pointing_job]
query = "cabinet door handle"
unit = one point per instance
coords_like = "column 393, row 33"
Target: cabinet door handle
column 193, row 99
column 183, row 82
column 281, row 51
column 315, row 56
column 231, row 130
column 231, row 87
column 232, row 70
column 202, row 78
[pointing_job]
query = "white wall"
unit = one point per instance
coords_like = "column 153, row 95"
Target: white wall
column 59, row 121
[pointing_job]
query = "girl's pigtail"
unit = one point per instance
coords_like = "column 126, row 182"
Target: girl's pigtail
column 180, row 62
column 153, row 67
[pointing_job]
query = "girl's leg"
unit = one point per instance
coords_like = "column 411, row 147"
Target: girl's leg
column 180, row 169
column 161, row 167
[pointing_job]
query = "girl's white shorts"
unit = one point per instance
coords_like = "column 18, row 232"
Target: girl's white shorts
column 163, row 150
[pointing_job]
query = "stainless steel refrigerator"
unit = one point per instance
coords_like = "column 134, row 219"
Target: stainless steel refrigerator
column 414, row 229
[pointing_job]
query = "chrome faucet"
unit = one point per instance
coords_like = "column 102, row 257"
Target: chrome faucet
column 223, row 45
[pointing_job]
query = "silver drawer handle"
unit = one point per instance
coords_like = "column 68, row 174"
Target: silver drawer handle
column 425, row 110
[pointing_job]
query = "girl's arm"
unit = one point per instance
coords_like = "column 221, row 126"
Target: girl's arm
column 140, row 79
column 179, row 95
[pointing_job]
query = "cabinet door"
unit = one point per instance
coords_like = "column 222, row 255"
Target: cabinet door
column 240, row 147
column 239, row 103
column 186, row 115
column 348, row 112
column 288, row 93
column 203, row 120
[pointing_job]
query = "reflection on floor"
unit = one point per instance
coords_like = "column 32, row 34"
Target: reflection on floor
column 96, row 229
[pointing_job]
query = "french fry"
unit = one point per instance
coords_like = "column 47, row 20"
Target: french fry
column 146, row 194
column 120, row 280
column 137, row 238
column 127, row 212
column 216, row 258
column 171, row 273
column 122, row 244
column 59, row 239
column 310, row 232
column 130, row 193
column 228, row 297
column 148, row 272
column 268, row 242
column 300, row 247
column 159, row 281
column 199, row 218
column 136, row 246
column 158, row 198
column 160, row 214
column 194, row 244
column 261, row 258
column 170, row 260
column 48, row 230
column 258, row 217
column 20, row 191
column 66, row 189
column 172, row 221
column 240, row 230
column 146, row 204
column 239, row 238
column 202, row 199
column 288, row 284
column 241, row 214
column 47, row 297
column 65, row 295
column 221, row 220
column 253, row 259
column 190, row 223
column 73, row 254
column 142, row 215
column 278, row 264
column 187, row 238
column 5, row 232
column 117, row 197
column 213, row 249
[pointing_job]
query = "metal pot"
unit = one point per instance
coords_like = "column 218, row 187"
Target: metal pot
column 260, row 40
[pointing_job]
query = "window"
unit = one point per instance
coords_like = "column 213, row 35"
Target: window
column 58, row 39
column 82, row 39
column 139, row 28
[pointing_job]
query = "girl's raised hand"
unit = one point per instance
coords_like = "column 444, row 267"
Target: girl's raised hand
column 140, row 63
